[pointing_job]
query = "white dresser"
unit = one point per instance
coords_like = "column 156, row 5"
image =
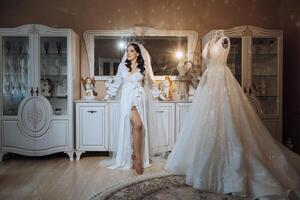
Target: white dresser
column 97, row 123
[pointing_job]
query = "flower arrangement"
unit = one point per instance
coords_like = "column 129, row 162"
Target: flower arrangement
column 183, row 66
column 187, row 71
column 195, row 75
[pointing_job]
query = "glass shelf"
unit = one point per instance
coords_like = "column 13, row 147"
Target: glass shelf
column 264, row 74
column 58, row 97
column 49, row 55
column 53, row 72
column 267, row 96
column 55, row 75
column 16, row 54
column 232, row 58
column 265, row 54
column 14, row 74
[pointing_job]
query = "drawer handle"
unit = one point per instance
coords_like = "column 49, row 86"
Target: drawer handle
column 92, row 111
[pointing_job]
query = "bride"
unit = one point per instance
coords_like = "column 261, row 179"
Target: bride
column 224, row 146
column 141, row 132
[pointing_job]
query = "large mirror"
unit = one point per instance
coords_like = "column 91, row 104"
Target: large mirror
column 166, row 48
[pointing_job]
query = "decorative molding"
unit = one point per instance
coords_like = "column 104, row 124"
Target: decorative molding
column 35, row 114
column 246, row 30
column 34, row 29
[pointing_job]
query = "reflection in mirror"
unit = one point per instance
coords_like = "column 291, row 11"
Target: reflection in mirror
column 165, row 52
column 169, row 49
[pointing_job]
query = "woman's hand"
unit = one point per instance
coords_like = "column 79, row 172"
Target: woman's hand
column 162, row 97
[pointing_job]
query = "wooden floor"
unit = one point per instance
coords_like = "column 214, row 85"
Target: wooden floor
column 56, row 177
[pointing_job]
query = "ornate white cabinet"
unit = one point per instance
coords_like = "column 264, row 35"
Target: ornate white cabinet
column 97, row 124
column 91, row 127
column 255, row 59
column 38, row 66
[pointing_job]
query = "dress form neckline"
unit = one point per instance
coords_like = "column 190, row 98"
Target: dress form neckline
column 218, row 41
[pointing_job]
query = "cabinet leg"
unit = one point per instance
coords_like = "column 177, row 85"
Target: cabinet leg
column 78, row 154
column 70, row 154
column 2, row 155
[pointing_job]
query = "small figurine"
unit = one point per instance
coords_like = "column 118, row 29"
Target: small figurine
column 46, row 87
column 89, row 86
column 171, row 87
column 107, row 84
column 167, row 88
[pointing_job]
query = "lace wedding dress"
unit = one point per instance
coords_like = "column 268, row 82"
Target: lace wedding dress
column 137, row 90
column 224, row 146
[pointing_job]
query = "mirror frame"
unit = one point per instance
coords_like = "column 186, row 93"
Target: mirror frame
column 89, row 39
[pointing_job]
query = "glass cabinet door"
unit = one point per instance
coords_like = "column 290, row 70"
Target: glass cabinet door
column 234, row 61
column 53, row 72
column 15, row 72
column 264, row 73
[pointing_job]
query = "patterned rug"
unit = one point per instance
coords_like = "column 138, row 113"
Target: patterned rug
column 157, row 187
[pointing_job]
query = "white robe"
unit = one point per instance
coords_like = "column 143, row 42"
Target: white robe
column 133, row 94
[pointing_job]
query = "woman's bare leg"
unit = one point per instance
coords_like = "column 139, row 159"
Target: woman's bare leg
column 137, row 140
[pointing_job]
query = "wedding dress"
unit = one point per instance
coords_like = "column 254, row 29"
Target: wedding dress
column 224, row 146
column 137, row 90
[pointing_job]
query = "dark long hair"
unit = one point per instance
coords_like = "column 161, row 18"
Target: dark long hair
column 139, row 60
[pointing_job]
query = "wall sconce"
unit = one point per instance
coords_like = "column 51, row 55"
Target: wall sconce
column 179, row 54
